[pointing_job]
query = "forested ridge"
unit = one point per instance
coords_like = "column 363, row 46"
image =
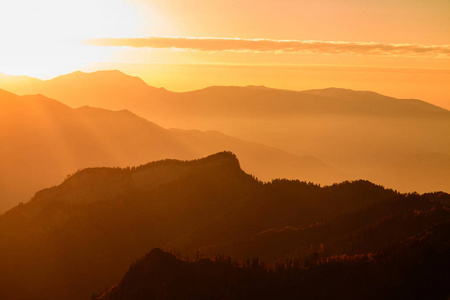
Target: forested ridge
column 81, row 236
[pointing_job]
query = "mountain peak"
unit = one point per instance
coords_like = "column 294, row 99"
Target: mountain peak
column 262, row 87
column 341, row 92
column 158, row 256
column 89, row 185
column 224, row 156
column 101, row 77
column 221, row 161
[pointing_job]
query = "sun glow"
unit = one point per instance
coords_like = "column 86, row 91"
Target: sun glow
column 43, row 38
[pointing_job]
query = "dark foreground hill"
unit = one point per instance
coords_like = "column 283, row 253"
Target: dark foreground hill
column 81, row 236
column 417, row 268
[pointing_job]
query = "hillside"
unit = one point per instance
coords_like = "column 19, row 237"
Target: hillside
column 44, row 140
column 417, row 268
column 363, row 134
column 370, row 229
column 81, row 236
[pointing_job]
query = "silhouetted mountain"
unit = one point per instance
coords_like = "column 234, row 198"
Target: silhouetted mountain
column 81, row 236
column 418, row 268
column 43, row 140
column 374, row 103
column 364, row 134
column 370, row 229
column 98, row 88
column 116, row 90
column 18, row 83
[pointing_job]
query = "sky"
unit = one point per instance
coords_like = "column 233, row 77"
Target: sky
column 397, row 47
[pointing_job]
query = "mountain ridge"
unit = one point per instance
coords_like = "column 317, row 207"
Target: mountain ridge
column 64, row 140
column 82, row 235
column 362, row 134
column 113, row 75
column 144, row 177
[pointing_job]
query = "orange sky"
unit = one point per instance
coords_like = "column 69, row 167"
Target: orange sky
column 397, row 47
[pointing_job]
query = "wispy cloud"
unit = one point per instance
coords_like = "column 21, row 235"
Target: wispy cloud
column 269, row 45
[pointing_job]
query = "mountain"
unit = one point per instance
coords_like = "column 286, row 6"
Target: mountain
column 18, row 83
column 44, row 140
column 116, row 90
column 364, row 134
column 80, row 237
column 368, row 230
column 417, row 268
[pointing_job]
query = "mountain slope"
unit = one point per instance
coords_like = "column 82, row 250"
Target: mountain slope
column 364, row 134
column 415, row 268
column 44, row 140
column 80, row 236
column 368, row 230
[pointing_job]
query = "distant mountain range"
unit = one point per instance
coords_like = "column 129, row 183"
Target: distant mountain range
column 400, row 143
column 353, row 239
column 80, row 237
column 44, row 140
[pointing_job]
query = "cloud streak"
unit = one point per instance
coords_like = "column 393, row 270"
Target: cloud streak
column 280, row 46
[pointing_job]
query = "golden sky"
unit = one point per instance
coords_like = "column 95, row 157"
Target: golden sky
column 396, row 47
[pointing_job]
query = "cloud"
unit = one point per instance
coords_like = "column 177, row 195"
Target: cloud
column 269, row 45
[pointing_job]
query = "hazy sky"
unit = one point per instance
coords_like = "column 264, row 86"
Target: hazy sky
column 279, row 38
column 383, row 21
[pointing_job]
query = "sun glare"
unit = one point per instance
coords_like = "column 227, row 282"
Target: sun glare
column 43, row 38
